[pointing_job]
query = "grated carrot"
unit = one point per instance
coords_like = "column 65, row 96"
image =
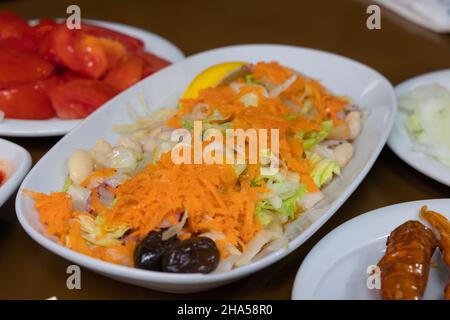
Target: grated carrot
column 215, row 199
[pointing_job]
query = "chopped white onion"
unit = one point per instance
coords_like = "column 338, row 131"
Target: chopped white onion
column 227, row 263
column 79, row 197
column 116, row 180
column 310, row 199
column 175, row 229
column 213, row 235
column 200, row 111
column 254, row 246
column 275, row 92
column 249, row 99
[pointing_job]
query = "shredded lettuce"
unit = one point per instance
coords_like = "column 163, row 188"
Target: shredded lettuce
column 96, row 232
column 288, row 206
column 324, row 168
column 254, row 184
column 250, row 99
column 208, row 123
column 187, row 123
column 311, row 139
column 249, row 78
column 285, row 192
column 291, row 117
column 308, row 104
column 263, row 216
column 67, row 183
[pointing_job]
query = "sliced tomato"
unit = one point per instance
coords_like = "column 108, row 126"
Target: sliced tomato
column 18, row 67
column 127, row 73
column 114, row 51
column 26, row 102
column 131, row 43
column 27, row 44
column 43, row 28
column 78, row 98
column 48, row 84
column 15, row 33
column 12, row 26
column 152, row 63
column 68, row 75
column 77, row 51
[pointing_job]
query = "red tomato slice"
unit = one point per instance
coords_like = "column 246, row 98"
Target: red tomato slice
column 77, row 51
column 18, row 67
column 15, row 33
column 48, row 84
column 67, row 75
column 127, row 73
column 152, row 63
column 26, row 102
column 12, row 26
column 43, row 28
column 114, row 51
column 27, row 44
column 131, row 43
column 78, row 98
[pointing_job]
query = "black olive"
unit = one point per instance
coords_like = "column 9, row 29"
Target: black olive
column 149, row 252
column 194, row 255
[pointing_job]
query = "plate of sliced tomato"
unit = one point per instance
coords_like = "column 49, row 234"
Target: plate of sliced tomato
column 52, row 77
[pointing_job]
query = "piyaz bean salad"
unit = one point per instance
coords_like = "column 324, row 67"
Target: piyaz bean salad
column 130, row 204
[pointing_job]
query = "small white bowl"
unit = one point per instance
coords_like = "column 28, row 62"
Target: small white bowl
column 367, row 87
column 16, row 162
column 399, row 140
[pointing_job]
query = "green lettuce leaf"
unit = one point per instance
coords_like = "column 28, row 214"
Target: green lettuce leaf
column 311, row 139
column 324, row 169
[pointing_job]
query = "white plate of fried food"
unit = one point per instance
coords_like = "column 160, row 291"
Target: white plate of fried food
column 355, row 262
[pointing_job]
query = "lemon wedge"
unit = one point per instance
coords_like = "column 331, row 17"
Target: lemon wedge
column 211, row 77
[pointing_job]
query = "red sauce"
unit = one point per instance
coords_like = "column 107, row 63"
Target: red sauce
column 2, row 177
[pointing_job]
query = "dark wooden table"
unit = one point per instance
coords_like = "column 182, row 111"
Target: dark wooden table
column 399, row 50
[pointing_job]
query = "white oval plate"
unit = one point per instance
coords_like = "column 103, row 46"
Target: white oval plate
column 56, row 127
column 399, row 140
column 336, row 268
column 343, row 76
column 15, row 161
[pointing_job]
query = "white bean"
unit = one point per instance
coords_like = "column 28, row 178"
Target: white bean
column 353, row 120
column 130, row 143
column 123, row 158
column 102, row 146
column 339, row 132
column 101, row 159
column 81, row 166
column 343, row 153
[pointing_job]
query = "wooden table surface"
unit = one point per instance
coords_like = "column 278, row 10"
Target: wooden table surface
column 399, row 50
